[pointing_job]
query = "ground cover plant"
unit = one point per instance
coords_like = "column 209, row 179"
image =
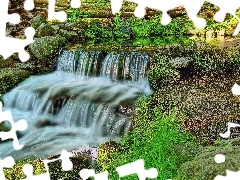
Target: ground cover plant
column 154, row 139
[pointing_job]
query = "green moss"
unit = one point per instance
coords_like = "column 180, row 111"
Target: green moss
column 11, row 77
column 46, row 46
column 153, row 139
column 203, row 166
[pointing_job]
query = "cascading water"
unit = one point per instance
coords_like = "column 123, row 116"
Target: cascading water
column 78, row 105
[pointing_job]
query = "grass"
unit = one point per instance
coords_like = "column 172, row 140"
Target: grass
column 154, row 139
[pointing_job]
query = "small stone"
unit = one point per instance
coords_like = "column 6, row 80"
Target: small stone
column 180, row 62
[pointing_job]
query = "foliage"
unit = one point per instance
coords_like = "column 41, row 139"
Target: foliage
column 216, row 62
column 153, row 29
column 161, row 71
column 153, row 139
column 98, row 31
column 74, row 14
column 10, row 77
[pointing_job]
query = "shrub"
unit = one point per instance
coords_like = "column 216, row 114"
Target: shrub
column 98, row 31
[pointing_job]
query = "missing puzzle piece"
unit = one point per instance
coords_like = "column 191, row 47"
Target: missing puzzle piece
column 20, row 125
column 192, row 8
column 138, row 168
column 7, row 162
column 66, row 165
column 9, row 45
column 61, row 15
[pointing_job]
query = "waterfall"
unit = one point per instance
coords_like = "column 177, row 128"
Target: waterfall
column 78, row 104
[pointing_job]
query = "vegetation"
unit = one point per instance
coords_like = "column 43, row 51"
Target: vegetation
column 154, row 139
column 158, row 136
column 11, row 77
column 119, row 28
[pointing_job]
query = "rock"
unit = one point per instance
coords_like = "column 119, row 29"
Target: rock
column 5, row 126
column 37, row 21
column 204, row 166
column 65, row 26
column 232, row 142
column 81, row 24
column 11, row 77
column 26, row 66
column 44, row 30
column 180, row 62
column 56, row 28
column 45, row 123
column 45, row 46
column 127, row 31
column 69, row 35
column 183, row 65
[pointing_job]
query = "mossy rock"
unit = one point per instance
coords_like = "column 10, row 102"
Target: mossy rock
column 5, row 63
column 37, row 21
column 5, row 126
column 45, row 46
column 11, row 77
column 69, row 35
column 204, row 166
column 44, row 30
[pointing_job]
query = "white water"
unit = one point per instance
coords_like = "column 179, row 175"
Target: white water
column 77, row 105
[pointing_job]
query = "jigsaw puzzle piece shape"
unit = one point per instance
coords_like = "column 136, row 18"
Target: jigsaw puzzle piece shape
column 228, row 132
column 61, row 15
column 116, row 6
column 192, row 8
column 29, row 5
column 5, row 17
column 9, row 45
column 140, row 10
column 67, row 164
column 20, row 125
column 28, row 171
column 87, row 173
column 7, row 162
column 12, row 45
column 137, row 167
column 230, row 8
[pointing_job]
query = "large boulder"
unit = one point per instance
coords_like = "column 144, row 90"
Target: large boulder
column 204, row 166
column 45, row 46
column 37, row 21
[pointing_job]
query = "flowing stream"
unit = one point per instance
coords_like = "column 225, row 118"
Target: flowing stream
column 79, row 104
